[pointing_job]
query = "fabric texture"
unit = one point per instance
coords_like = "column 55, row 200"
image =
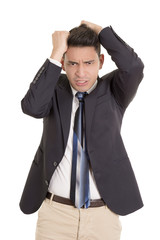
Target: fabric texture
column 62, row 222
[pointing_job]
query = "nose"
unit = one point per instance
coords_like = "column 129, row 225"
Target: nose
column 80, row 71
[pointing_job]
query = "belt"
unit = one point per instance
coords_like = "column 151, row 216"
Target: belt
column 62, row 200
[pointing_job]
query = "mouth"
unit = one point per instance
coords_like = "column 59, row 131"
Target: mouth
column 81, row 82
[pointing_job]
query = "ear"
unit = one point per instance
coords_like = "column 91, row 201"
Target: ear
column 101, row 60
column 62, row 62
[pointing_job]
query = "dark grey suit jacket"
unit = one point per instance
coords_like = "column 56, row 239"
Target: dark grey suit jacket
column 50, row 97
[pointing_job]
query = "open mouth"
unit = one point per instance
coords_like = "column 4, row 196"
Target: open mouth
column 81, row 82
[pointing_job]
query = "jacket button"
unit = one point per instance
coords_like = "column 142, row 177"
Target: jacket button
column 55, row 164
column 35, row 80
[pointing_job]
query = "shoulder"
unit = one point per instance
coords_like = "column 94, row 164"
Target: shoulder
column 106, row 80
column 109, row 76
column 63, row 81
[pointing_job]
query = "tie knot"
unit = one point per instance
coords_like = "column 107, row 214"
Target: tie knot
column 81, row 95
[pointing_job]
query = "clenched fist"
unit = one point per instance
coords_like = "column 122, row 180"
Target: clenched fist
column 59, row 40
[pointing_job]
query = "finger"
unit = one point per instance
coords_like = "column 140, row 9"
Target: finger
column 84, row 22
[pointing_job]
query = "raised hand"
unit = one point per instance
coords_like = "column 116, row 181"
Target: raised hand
column 59, row 41
column 93, row 26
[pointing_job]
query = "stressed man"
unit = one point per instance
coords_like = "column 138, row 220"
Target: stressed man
column 81, row 178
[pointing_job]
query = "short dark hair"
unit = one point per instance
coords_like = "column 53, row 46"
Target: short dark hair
column 84, row 36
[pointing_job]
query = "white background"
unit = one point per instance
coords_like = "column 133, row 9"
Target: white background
column 25, row 43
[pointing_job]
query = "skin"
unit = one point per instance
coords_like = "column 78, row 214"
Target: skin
column 81, row 64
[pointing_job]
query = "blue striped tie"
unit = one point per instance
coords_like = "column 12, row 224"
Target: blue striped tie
column 79, row 192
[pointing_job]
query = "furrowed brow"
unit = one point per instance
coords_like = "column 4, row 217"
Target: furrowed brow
column 89, row 61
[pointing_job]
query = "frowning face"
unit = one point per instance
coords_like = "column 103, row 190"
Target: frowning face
column 82, row 65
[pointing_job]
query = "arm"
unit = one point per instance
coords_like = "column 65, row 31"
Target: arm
column 130, row 67
column 38, row 100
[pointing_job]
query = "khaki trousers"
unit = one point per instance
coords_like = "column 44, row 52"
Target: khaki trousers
column 63, row 222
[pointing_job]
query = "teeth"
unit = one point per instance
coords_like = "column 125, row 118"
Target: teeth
column 81, row 82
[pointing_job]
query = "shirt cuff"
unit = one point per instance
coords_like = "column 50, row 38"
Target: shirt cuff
column 55, row 62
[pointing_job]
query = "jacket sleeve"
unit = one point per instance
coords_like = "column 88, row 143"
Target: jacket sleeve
column 130, row 67
column 38, row 100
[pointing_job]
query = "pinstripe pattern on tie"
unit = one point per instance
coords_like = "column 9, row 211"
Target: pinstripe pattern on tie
column 79, row 193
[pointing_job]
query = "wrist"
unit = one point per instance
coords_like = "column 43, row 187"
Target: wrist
column 57, row 55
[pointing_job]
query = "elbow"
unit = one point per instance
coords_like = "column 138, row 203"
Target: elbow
column 136, row 70
column 140, row 66
column 31, row 110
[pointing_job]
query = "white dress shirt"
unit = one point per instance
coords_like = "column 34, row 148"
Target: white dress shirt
column 60, row 181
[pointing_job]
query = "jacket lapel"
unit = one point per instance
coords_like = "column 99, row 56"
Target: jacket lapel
column 90, row 104
column 64, row 97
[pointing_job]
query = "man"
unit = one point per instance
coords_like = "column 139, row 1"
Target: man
column 81, row 171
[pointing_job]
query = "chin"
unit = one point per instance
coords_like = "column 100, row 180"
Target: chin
column 82, row 89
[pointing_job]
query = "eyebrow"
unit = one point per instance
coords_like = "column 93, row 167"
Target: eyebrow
column 73, row 62
column 91, row 61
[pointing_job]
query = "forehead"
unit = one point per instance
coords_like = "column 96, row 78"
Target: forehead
column 81, row 53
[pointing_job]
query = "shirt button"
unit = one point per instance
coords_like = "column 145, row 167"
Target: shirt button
column 55, row 164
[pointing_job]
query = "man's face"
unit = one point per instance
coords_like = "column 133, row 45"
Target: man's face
column 82, row 65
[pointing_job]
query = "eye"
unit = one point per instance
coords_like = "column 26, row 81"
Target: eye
column 70, row 63
column 89, row 62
